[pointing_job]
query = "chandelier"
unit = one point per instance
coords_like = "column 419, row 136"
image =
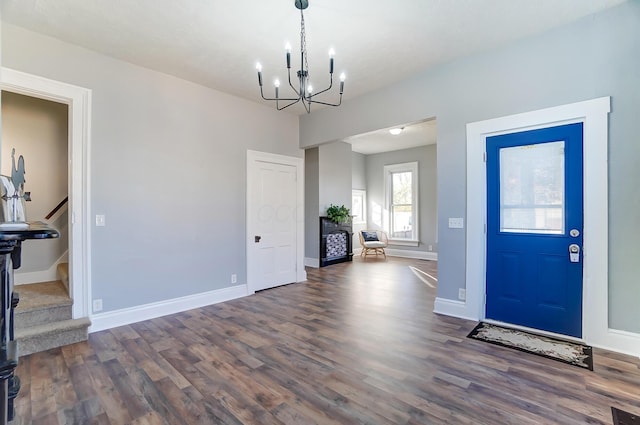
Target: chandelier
column 304, row 91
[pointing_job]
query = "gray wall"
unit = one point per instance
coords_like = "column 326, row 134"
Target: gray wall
column 311, row 203
column 335, row 175
column 327, row 181
column 38, row 130
column 358, row 171
column 596, row 56
column 358, row 181
column 427, row 188
column 168, row 169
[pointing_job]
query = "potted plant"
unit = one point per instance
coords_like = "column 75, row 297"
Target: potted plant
column 339, row 214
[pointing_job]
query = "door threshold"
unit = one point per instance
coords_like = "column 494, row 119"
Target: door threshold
column 535, row 331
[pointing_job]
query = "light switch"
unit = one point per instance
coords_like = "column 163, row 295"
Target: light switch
column 100, row 220
column 456, row 222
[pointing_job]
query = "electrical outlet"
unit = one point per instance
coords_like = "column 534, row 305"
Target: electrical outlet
column 97, row 305
column 462, row 294
column 430, row 248
column 234, row 278
column 100, row 220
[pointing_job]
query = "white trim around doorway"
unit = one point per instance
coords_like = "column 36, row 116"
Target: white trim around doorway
column 79, row 101
column 594, row 115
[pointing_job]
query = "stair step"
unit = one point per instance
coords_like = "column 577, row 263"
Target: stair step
column 63, row 274
column 51, row 335
column 42, row 303
column 43, row 317
column 28, row 319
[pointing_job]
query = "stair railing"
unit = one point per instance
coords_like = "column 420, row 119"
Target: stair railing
column 57, row 208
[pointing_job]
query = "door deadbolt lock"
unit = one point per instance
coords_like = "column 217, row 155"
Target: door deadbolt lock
column 574, row 253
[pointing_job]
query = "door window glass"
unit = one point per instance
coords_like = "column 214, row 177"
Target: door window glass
column 532, row 188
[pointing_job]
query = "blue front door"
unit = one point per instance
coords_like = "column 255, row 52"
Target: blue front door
column 534, row 229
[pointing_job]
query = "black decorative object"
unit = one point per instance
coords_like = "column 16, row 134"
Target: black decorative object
column 335, row 242
column 10, row 242
column 302, row 89
column 620, row 417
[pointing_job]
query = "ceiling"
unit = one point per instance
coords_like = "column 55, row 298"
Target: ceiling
column 413, row 135
column 216, row 43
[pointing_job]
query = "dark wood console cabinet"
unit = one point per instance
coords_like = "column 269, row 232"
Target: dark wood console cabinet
column 335, row 242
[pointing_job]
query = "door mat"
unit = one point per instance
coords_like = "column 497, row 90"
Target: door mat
column 620, row 417
column 564, row 351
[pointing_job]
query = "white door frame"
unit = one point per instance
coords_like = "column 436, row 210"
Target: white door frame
column 79, row 101
column 253, row 158
column 594, row 115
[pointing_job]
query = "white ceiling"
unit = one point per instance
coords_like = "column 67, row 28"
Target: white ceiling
column 217, row 42
column 413, row 135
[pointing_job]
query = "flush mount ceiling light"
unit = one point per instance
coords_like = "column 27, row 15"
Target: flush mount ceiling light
column 396, row 131
column 304, row 91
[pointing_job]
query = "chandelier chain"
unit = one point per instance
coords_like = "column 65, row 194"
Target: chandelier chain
column 303, row 43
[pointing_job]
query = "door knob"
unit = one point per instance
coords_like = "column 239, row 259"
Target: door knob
column 257, row 238
column 574, row 253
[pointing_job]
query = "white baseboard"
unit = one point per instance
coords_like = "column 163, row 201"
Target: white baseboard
column 621, row 342
column 452, row 308
column 311, row 262
column 405, row 253
column 112, row 319
column 48, row 275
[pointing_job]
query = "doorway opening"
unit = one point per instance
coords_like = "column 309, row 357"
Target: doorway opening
column 394, row 184
column 78, row 100
column 37, row 130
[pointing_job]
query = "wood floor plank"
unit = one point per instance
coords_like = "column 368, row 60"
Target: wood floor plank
column 357, row 343
column 110, row 399
column 42, row 395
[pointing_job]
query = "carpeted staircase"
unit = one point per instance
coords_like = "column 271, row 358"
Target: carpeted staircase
column 43, row 316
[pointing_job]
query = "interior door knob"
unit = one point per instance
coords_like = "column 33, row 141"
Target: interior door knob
column 257, row 238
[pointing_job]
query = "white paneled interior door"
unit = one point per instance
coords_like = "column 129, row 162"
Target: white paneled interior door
column 272, row 214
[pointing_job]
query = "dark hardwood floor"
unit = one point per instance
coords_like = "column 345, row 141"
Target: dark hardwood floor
column 355, row 344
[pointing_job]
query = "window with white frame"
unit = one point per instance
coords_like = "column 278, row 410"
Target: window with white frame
column 401, row 197
column 359, row 206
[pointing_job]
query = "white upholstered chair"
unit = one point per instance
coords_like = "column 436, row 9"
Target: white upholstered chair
column 373, row 242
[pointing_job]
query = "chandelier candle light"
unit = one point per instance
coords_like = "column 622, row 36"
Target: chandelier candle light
column 305, row 90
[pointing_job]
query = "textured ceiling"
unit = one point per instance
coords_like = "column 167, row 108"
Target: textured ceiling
column 216, row 43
